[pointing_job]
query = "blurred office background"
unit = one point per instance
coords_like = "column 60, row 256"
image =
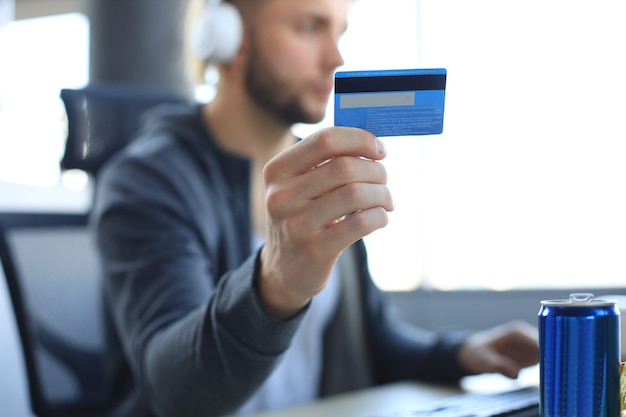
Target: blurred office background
column 521, row 197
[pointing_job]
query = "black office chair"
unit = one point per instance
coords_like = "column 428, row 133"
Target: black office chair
column 51, row 265
column 53, row 275
column 103, row 118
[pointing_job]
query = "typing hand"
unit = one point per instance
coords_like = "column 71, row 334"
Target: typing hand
column 505, row 349
column 322, row 195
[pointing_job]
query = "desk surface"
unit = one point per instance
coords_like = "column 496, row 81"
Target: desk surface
column 403, row 396
column 368, row 402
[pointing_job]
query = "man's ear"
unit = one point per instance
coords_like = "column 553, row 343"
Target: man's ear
column 241, row 56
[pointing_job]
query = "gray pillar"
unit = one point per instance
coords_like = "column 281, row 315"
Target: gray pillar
column 139, row 42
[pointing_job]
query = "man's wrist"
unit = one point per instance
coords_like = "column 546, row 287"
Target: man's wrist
column 277, row 302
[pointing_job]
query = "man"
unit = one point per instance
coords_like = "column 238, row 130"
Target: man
column 235, row 275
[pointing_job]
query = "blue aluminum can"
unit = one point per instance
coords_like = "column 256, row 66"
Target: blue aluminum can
column 579, row 357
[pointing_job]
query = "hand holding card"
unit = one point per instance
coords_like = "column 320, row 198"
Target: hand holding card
column 393, row 102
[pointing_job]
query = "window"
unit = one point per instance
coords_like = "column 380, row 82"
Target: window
column 524, row 188
column 39, row 57
column 7, row 10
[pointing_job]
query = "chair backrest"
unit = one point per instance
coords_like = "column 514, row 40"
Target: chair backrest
column 53, row 275
column 102, row 119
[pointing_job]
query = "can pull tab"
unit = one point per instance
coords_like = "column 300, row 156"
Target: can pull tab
column 580, row 297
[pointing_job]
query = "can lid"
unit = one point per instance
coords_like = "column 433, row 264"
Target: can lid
column 580, row 299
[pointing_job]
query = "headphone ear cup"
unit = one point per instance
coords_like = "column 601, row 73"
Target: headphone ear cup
column 218, row 33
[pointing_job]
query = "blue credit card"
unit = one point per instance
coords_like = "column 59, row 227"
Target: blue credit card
column 391, row 102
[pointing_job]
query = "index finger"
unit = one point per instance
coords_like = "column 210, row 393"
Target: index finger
column 327, row 144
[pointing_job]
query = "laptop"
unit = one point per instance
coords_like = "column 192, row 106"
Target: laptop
column 519, row 402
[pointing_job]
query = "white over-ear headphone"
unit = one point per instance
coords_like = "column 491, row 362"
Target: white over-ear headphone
column 218, row 32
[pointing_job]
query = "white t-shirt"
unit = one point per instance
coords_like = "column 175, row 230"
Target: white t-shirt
column 296, row 379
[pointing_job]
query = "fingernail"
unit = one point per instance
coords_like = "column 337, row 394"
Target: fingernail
column 380, row 147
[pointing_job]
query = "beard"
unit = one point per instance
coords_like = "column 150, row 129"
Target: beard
column 275, row 95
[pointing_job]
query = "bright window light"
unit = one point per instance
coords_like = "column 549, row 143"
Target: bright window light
column 39, row 57
column 524, row 188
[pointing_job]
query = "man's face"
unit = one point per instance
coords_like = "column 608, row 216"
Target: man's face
column 293, row 56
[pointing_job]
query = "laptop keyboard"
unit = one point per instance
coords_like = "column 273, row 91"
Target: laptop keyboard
column 523, row 402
